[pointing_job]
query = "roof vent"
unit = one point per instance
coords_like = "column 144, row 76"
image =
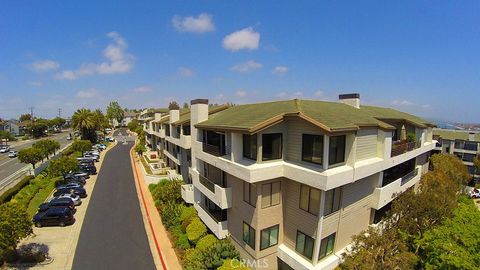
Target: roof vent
column 350, row 99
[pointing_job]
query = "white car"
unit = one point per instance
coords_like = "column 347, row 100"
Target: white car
column 4, row 149
column 475, row 193
column 75, row 198
column 12, row 154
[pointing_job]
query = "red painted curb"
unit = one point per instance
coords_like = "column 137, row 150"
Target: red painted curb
column 148, row 214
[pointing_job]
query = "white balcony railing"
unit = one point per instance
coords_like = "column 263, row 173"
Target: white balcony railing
column 220, row 229
column 221, row 196
column 187, row 193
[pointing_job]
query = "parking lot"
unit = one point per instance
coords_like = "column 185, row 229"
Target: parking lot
column 62, row 241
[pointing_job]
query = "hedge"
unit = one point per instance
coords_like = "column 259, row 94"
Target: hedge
column 206, row 241
column 196, row 230
column 5, row 197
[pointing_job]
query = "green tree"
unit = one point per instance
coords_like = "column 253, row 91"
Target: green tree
column 133, row 125
column 476, row 163
column 47, row 147
column 452, row 167
column 173, row 105
column 30, row 156
column 140, row 149
column 62, row 166
column 456, row 243
column 81, row 145
column 83, row 121
column 38, row 128
column 101, row 122
column 374, row 249
column 114, row 111
column 15, row 224
column 6, row 136
column 25, row 117
column 58, row 122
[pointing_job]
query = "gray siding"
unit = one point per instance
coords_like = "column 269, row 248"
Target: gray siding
column 295, row 129
column 366, row 144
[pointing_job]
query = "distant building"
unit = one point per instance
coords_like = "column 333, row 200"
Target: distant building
column 462, row 143
column 10, row 127
column 128, row 117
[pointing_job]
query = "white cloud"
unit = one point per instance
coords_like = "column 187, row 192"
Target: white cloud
column 35, row 83
column 89, row 93
column 280, row 70
column 141, row 89
column 241, row 93
column 201, row 24
column 402, row 102
column 246, row 67
column 246, row 39
column 44, row 65
column 185, row 72
column 286, row 95
column 426, row 106
column 318, row 93
column 117, row 61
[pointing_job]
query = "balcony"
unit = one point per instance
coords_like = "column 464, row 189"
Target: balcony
column 185, row 141
column 213, row 221
column 401, row 147
column 187, row 193
column 215, row 150
column 221, row 196
column 384, row 195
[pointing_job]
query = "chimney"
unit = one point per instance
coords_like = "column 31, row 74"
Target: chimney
column 350, row 99
column 174, row 112
column 198, row 110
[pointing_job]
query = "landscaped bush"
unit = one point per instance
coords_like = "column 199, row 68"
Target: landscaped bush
column 182, row 242
column 193, row 260
column 205, row 242
column 215, row 255
column 196, row 230
column 32, row 253
column 169, row 191
column 5, row 197
column 230, row 264
column 188, row 214
column 170, row 214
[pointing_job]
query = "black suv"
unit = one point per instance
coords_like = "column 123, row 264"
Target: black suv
column 80, row 191
column 57, row 203
column 54, row 216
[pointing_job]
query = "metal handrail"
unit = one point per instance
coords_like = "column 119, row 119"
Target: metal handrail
column 207, row 183
column 409, row 176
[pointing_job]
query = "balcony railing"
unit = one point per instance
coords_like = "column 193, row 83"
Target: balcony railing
column 401, row 147
column 409, row 176
column 217, row 215
column 207, row 183
column 213, row 149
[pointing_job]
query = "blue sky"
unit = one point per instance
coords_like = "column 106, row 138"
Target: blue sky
column 418, row 56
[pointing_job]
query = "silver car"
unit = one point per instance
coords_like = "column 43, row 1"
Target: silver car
column 12, row 154
column 75, row 198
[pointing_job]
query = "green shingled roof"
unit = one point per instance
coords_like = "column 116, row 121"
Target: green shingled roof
column 332, row 116
column 450, row 134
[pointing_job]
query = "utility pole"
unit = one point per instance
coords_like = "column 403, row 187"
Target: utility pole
column 31, row 114
column 59, row 112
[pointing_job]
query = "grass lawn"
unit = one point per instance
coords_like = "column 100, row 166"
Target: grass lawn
column 146, row 166
column 40, row 197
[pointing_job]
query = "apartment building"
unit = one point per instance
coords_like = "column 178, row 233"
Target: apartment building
column 127, row 118
column 291, row 181
column 462, row 143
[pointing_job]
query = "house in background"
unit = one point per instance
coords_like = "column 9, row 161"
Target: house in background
column 128, row 117
column 10, row 127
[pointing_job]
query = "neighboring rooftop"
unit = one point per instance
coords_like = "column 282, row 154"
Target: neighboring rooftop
column 330, row 116
column 451, row 134
column 185, row 117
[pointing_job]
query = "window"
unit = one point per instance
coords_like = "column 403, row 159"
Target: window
column 326, row 246
column 312, row 148
column 472, row 146
column 332, row 201
column 459, row 144
column 336, row 149
column 272, row 146
column 270, row 194
column 250, row 146
column 309, row 199
column 269, row 237
column 186, row 130
column 214, row 143
column 468, row 157
column 248, row 235
column 304, row 245
column 250, row 194
column 398, row 171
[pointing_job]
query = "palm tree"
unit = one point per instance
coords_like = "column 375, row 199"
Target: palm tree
column 83, row 121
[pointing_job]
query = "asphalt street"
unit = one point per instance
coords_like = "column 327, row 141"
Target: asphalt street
column 8, row 166
column 113, row 235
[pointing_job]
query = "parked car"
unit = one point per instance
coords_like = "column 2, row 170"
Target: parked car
column 80, row 191
column 70, row 185
column 79, row 181
column 93, row 157
column 100, row 146
column 4, row 149
column 12, row 154
column 88, row 168
column 109, row 139
column 77, row 174
column 85, row 159
column 55, row 203
column 73, row 197
column 78, row 178
column 475, row 193
column 54, row 216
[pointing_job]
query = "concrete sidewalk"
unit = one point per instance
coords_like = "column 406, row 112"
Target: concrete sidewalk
column 156, row 232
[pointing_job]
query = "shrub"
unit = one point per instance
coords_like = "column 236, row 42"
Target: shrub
column 32, row 253
column 196, row 230
column 230, row 264
column 182, row 242
column 5, row 197
column 169, row 191
column 171, row 214
column 176, row 231
column 193, row 260
column 187, row 215
column 206, row 242
column 214, row 255
column 15, row 224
